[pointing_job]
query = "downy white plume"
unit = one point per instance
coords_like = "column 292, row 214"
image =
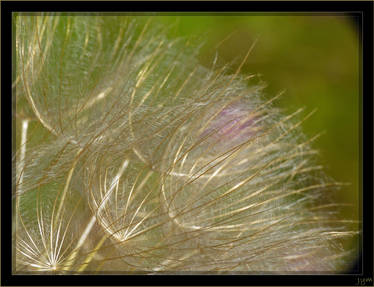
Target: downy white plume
column 177, row 167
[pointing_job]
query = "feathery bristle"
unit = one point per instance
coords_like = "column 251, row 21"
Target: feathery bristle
column 177, row 167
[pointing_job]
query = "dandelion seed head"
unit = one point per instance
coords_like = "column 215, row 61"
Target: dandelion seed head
column 179, row 167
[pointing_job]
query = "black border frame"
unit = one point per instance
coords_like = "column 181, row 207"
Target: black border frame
column 365, row 10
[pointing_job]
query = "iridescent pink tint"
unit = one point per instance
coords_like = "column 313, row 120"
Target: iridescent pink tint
column 231, row 126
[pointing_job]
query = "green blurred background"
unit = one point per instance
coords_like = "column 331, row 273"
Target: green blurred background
column 314, row 58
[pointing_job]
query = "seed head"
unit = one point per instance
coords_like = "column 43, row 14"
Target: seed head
column 178, row 167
